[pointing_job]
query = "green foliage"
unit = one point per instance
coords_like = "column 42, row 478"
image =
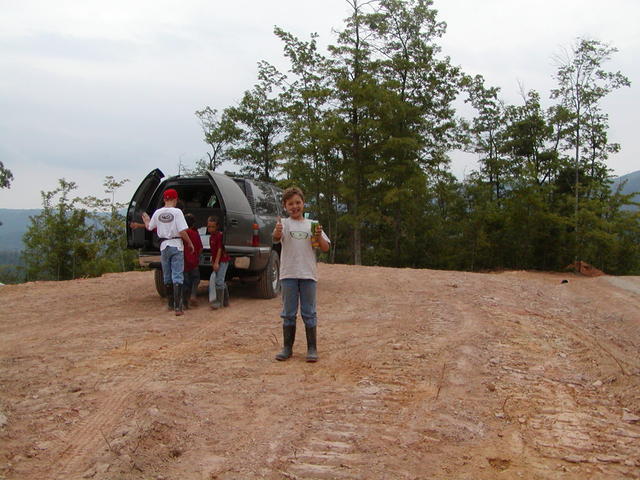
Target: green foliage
column 217, row 134
column 5, row 176
column 58, row 241
column 67, row 241
column 366, row 128
column 11, row 270
column 109, row 232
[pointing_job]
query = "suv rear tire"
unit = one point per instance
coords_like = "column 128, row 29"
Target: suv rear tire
column 268, row 285
column 159, row 281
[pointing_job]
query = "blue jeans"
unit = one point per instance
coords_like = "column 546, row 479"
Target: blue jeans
column 216, row 280
column 172, row 261
column 298, row 291
column 191, row 281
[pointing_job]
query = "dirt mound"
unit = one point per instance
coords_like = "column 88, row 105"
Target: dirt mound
column 584, row 268
column 422, row 374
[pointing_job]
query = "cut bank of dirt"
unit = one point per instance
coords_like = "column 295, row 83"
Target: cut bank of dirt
column 422, row 375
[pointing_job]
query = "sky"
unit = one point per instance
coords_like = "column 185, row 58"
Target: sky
column 92, row 88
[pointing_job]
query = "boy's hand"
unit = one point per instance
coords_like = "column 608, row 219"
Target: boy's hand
column 277, row 231
column 145, row 217
column 216, row 266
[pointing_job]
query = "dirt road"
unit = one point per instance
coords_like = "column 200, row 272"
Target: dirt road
column 422, row 375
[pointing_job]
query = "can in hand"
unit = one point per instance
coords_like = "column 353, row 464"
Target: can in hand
column 314, row 238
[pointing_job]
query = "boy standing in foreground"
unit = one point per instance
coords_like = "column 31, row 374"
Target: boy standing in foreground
column 171, row 227
column 298, row 272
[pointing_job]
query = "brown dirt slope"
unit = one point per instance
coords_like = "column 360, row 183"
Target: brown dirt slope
column 422, row 375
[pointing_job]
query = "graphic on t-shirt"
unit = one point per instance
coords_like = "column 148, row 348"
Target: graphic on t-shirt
column 166, row 217
column 299, row 235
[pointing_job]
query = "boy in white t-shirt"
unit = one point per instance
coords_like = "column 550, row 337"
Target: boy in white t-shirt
column 171, row 228
column 298, row 272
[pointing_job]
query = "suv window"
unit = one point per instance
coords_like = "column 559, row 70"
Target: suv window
column 265, row 200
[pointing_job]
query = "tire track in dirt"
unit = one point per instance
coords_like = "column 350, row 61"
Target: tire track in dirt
column 377, row 413
column 562, row 416
column 87, row 438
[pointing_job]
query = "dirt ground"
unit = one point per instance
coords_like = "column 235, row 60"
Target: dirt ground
column 422, row 375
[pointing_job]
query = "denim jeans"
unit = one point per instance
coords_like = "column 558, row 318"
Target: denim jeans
column 298, row 291
column 191, row 281
column 172, row 261
column 216, row 280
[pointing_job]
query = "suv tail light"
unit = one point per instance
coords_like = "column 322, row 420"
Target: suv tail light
column 255, row 239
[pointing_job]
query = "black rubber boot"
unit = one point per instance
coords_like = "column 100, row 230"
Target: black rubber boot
column 312, row 351
column 177, row 298
column 186, row 293
column 289, row 336
column 169, row 288
column 225, row 296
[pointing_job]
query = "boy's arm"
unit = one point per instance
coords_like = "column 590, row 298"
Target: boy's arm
column 276, row 236
column 322, row 239
column 187, row 240
column 147, row 221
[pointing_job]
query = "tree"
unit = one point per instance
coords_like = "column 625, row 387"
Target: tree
column 5, row 176
column 487, row 131
column 217, row 134
column 58, row 241
column 108, row 233
column 255, row 126
column 311, row 158
column 582, row 84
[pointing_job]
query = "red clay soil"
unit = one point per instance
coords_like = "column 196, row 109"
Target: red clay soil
column 422, row 375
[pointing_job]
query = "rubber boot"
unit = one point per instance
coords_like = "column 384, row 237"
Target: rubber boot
column 225, row 296
column 177, row 299
column 312, row 352
column 217, row 303
column 289, row 336
column 185, row 297
column 169, row 289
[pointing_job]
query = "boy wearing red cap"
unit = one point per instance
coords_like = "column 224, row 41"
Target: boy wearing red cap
column 171, row 227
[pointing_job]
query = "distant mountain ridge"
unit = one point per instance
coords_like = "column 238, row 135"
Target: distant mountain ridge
column 632, row 185
column 14, row 225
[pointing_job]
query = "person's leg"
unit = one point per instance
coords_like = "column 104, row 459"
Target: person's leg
column 195, row 283
column 290, row 295
column 165, row 262
column 187, row 286
column 308, row 302
column 212, row 287
column 215, row 294
column 221, row 286
column 177, row 276
column 309, row 316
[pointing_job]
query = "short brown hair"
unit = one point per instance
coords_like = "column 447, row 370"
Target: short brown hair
column 290, row 192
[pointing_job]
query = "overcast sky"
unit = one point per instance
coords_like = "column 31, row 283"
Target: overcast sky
column 93, row 88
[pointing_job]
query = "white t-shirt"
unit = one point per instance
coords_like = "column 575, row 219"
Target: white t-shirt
column 298, row 260
column 169, row 222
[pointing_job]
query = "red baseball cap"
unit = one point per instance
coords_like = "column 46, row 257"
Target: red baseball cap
column 170, row 194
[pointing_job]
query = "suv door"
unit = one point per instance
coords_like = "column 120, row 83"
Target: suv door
column 238, row 217
column 140, row 203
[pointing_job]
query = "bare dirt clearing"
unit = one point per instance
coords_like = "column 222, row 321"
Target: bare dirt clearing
column 422, row 375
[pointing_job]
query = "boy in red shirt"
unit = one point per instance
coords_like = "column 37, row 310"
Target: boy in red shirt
column 191, row 263
column 218, row 293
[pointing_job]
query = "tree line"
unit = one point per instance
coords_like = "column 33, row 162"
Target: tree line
column 366, row 129
column 74, row 237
